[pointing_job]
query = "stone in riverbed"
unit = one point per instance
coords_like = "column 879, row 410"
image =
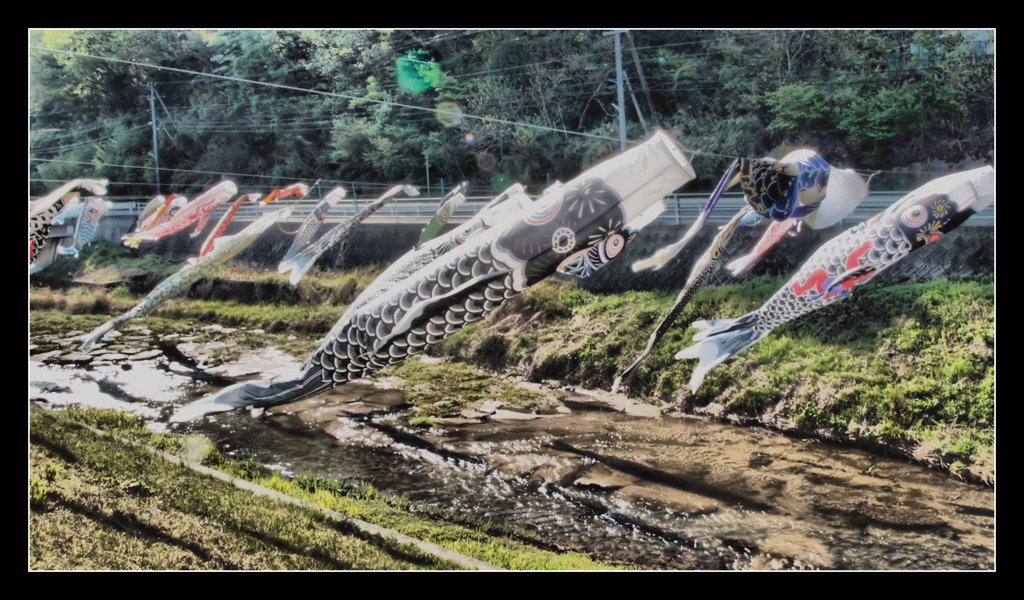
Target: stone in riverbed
column 883, row 512
column 490, row 406
column 46, row 356
column 74, row 358
column 469, row 413
column 458, row 421
column 148, row 354
column 808, row 551
column 600, row 476
column 509, row 415
column 113, row 356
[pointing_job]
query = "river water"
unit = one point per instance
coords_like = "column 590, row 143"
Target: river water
column 662, row 492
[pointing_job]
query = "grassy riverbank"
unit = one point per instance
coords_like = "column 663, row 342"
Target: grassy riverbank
column 904, row 368
column 907, row 367
column 99, row 503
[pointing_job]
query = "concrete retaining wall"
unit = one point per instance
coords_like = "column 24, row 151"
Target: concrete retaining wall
column 967, row 251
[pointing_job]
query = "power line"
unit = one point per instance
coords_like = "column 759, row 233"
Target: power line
column 325, row 93
column 90, row 141
column 80, row 162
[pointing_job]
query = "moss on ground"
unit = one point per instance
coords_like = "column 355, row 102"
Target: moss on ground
column 447, row 388
column 103, row 504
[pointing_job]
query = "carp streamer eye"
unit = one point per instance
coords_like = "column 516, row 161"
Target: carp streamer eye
column 614, row 246
column 563, row 240
column 915, row 216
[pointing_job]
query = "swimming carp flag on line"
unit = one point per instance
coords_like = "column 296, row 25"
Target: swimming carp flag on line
column 847, row 261
column 477, row 277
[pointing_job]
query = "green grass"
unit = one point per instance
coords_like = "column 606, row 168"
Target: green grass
column 556, row 330
column 909, row 366
column 905, row 365
column 274, row 318
column 445, row 389
column 239, row 530
column 114, row 506
column 102, row 254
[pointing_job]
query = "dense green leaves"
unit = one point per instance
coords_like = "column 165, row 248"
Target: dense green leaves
column 866, row 99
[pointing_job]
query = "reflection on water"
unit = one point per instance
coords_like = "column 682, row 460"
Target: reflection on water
column 651, row 492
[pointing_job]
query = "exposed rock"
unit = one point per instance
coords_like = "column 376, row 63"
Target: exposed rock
column 388, row 399
column 489, row 406
column 458, row 420
column 881, row 513
column 113, row 356
column 759, row 459
column 509, row 415
column 74, row 358
column 46, row 356
column 676, row 500
column 600, row 476
column 146, row 355
column 806, row 550
column 472, row 414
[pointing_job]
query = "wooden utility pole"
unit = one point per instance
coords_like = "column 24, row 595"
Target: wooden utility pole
column 156, row 151
column 618, row 86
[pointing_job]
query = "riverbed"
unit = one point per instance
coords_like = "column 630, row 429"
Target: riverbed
column 617, row 480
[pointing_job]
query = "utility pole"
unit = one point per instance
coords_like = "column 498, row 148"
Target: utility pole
column 618, row 86
column 643, row 80
column 156, row 151
column 427, row 156
column 632, row 96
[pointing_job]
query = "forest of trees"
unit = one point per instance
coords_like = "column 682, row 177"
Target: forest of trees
column 496, row 102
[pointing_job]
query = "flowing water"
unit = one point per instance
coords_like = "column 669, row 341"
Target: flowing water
column 650, row 492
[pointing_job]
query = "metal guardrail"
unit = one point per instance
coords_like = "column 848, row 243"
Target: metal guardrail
column 680, row 209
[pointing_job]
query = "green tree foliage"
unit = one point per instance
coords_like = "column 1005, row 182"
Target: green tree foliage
column 866, row 99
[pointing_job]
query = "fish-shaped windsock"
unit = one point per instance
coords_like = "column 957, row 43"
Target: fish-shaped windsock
column 848, row 260
column 224, row 221
column 507, row 204
column 303, row 261
column 43, row 210
column 86, row 226
column 473, row 280
column 197, row 211
column 162, row 213
column 449, row 203
column 801, row 185
column 295, row 190
column 72, row 208
column 776, row 232
column 224, row 249
column 699, row 273
column 151, row 207
column 314, row 220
